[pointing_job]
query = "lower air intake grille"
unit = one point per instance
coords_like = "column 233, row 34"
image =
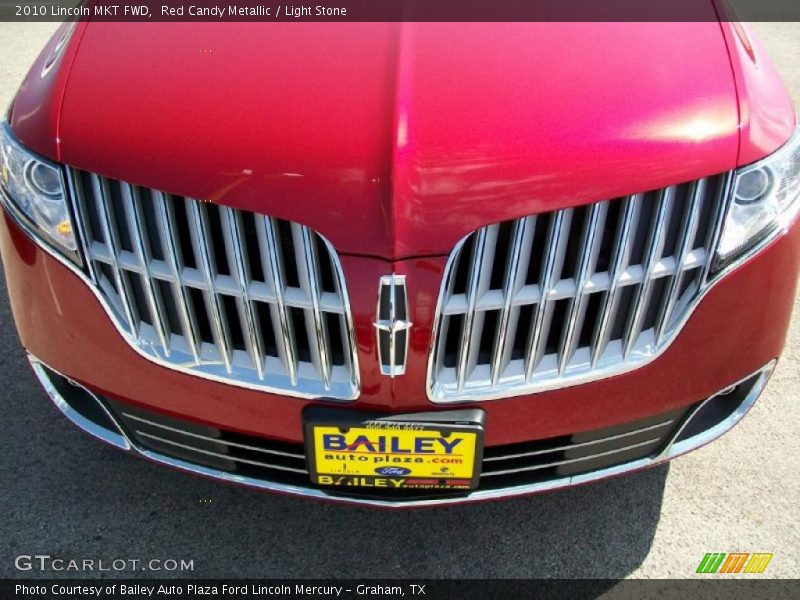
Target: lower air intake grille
column 506, row 466
column 578, row 454
column 217, row 449
column 217, row 292
column 574, row 295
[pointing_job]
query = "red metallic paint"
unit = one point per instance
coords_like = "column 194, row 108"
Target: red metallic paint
column 61, row 322
column 395, row 140
column 410, row 134
column 767, row 115
column 36, row 109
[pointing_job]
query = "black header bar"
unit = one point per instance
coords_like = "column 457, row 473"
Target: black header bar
column 402, row 10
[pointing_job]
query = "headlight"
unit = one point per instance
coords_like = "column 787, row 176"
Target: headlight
column 766, row 197
column 35, row 190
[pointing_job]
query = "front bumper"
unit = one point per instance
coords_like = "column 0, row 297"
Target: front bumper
column 737, row 330
column 688, row 430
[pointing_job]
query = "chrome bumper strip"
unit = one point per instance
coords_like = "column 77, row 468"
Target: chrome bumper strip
column 709, row 435
column 673, row 449
column 115, row 438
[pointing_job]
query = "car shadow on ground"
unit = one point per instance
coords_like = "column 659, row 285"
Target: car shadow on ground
column 74, row 497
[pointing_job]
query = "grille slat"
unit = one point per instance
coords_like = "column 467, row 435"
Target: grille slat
column 102, row 199
column 316, row 326
column 655, row 246
column 224, row 291
column 475, row 284
column 235, row 249
column 587, row 292
column 166, row 226
column 199, row 233
column 557, row 240
column 721, row 196
column 590, row 248
column 622, row 251
column 135, row 217
column 687, row 235
column 270, row 254
column 513, row 279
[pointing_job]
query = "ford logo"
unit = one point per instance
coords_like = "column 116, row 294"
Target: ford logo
column 393, row 471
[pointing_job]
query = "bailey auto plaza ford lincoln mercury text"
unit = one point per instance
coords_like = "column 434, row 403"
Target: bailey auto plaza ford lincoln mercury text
column 402, row 264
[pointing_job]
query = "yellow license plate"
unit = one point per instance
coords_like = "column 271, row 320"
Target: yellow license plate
column 395, row 455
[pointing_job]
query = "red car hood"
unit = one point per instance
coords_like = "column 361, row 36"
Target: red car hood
column 398, row 139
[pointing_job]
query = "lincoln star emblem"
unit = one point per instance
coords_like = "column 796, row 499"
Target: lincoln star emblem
column 392, row 324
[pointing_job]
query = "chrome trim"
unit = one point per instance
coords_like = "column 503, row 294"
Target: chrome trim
column 671, row 450
column 523, row 229
column 589, row 251
column 186, row 352
column 270, row 257
column 570, row 461
column 166, row 229
column 701, row 439
column 233, row 248
column 133, row 213
column 687, row 235
column 199, row 234
column 725, row 197
column 556, row 244
column 101, row 197
column 211, row 439
column 655, row 246
column 477, row 271
column 310, row 283
column 115, row 438
column 622, row 252
column 390, row 324
column 580, row 444
column 246, row 461
column 600, row 359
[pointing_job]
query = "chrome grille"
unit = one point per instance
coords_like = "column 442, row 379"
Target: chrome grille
column 573, row 295
column 221, row 293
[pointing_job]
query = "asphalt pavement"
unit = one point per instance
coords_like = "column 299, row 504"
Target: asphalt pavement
column 66, row 495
